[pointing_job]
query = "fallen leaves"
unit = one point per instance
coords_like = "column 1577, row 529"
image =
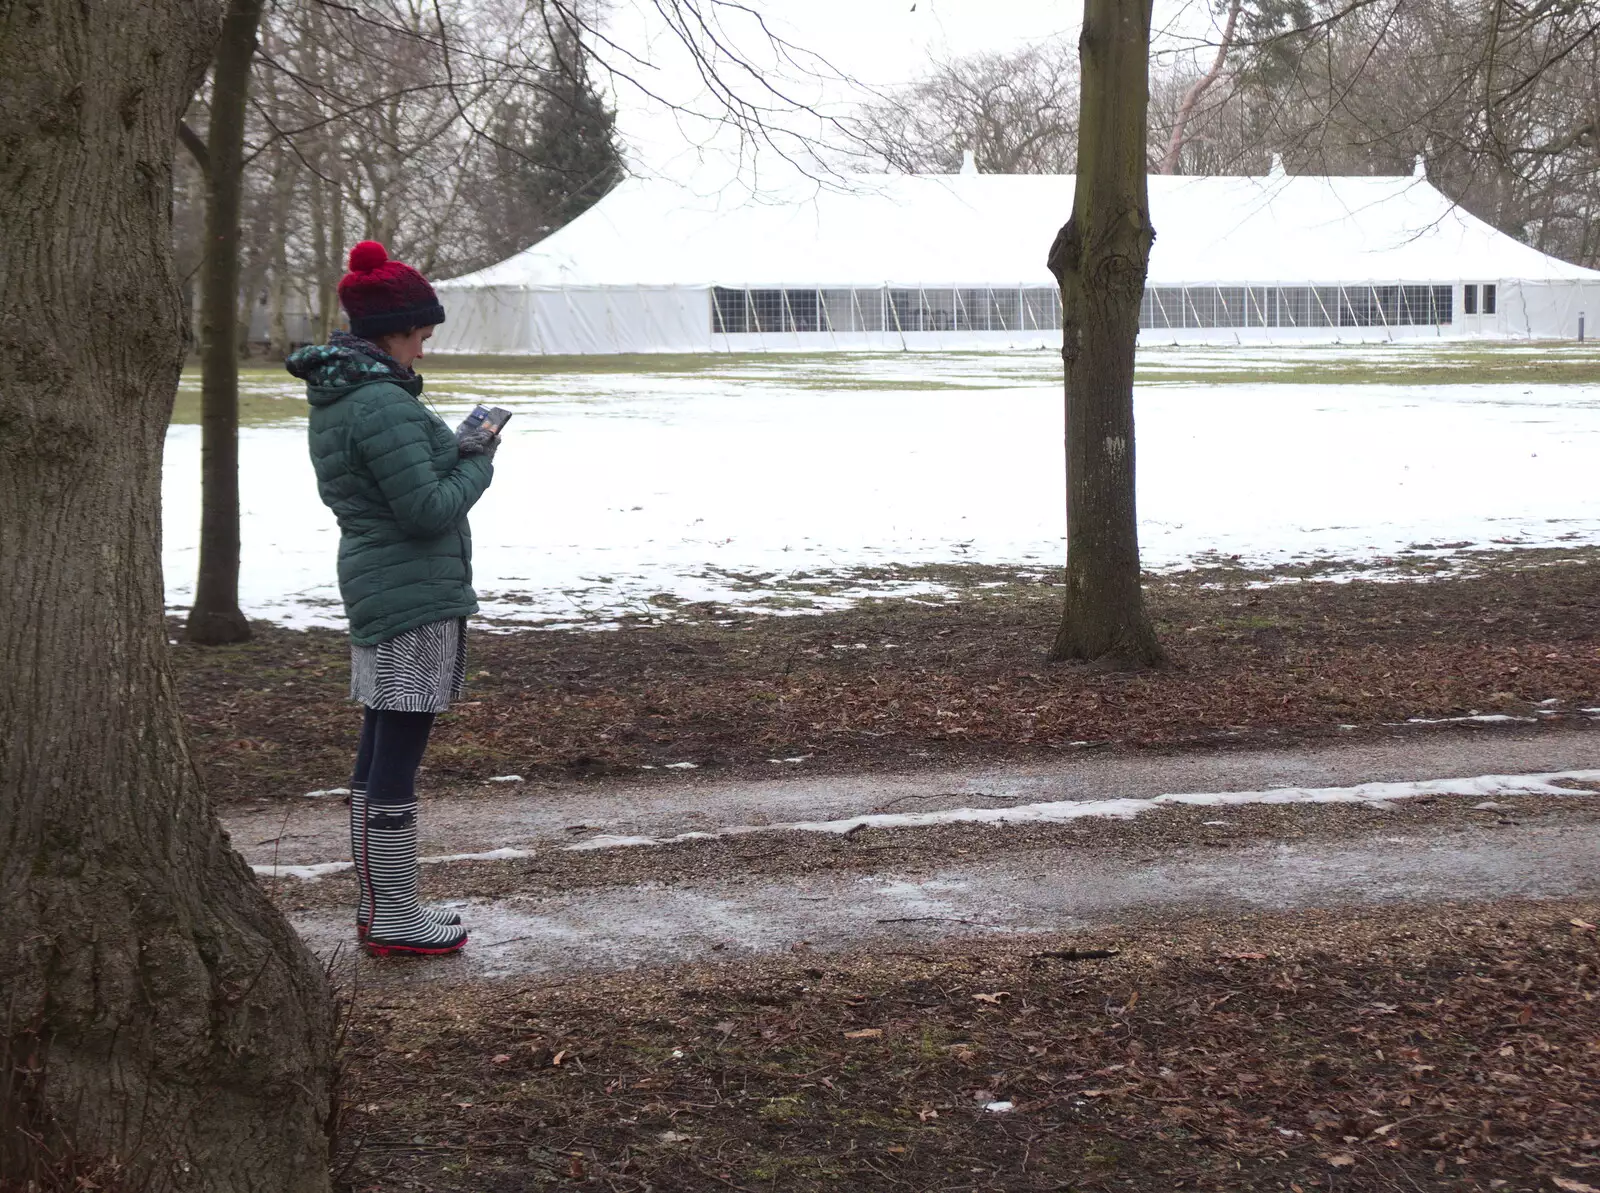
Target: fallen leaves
column 1571, row 1186
column 664, row 693
column 1250, row 1057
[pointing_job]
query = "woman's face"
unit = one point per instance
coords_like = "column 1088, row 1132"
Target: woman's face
column 406, row 347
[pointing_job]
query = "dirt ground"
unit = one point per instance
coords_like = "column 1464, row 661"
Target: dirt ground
column 1421, row 1048
column 1429, row 1049
column 898, row 683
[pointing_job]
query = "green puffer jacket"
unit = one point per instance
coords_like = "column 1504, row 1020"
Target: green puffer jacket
column 389, row 469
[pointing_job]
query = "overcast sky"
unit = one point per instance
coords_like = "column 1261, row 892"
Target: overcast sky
column 876, row 43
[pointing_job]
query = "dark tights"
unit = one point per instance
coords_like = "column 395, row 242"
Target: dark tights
column 392, row 745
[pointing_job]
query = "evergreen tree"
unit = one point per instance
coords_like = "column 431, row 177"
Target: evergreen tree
column 553, row 158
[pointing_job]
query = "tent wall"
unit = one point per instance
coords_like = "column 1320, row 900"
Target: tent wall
column 517, row 321
column 575, row 320
column 1548, row 310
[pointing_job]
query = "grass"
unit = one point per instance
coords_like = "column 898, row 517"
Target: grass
column 269, row 397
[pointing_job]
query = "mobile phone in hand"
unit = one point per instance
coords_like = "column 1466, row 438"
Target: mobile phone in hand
column 492, row 418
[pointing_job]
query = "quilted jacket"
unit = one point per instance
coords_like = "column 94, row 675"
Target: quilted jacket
column 389, row 469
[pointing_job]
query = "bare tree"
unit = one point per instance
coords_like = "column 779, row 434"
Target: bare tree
column 165, row 1028
column 1197, row 89
column 1499, row 99
column 1100, row 257
column 215, row 618
column 1016, row 113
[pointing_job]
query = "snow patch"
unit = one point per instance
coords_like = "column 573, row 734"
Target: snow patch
column 1377, row 795
column 1494, row 718
column 1374, row 795
column 918, row 479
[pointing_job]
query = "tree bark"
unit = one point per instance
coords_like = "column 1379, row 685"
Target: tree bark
column 161, row 1018
column 1100, row 257
column 215, row 618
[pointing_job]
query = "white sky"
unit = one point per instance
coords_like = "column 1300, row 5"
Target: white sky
column 878, row 43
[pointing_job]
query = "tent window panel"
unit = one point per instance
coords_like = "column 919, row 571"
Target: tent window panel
column 729, row 311
column 938, row 310
column 1416, row 305
column 1258, row 301
column 972, row 310
column 869, row 310
column 1230, row 306
column 1489, row 298
column 766, row 310
column 1005, row 310
column 1386, row 304
column 1355, row 306
column 905, row 309
column 1469, row 300
column 1041, row 308
column 1166, row 303
column 1204, row 309
column 1444, row 305
column 1323, row 307
column 1294, row 306
column 836, row 311
column 1147, row 304
column 802, row 312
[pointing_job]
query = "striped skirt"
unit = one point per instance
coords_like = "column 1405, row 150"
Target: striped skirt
column 420, row 670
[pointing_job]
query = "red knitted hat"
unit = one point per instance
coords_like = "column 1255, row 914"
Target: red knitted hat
column 383, row 296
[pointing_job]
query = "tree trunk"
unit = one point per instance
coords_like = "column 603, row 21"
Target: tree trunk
column 161, row 1018
column 1100, row 258
column 215, row 618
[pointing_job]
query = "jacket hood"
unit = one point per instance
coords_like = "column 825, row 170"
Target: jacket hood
column 331, row 371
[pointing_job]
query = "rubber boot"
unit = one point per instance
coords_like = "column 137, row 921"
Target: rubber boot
column 358, row 831
column 400, row 924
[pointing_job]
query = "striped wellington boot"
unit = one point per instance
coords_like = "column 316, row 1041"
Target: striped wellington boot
column 358, row 835
column 400, row 924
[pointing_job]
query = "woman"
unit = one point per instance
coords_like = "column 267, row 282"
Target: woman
column 400, row 483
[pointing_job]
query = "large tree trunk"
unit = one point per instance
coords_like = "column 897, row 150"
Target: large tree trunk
column 1100, row 258
column 159, row 1014
column 215, row 617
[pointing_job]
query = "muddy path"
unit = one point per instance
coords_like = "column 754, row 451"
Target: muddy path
column 1044, row 891
column 533, row 815
column 663, row 874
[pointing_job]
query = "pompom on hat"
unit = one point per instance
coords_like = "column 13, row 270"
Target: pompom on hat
column 383, row 296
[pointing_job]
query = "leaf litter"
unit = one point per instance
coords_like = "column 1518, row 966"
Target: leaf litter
column 1445, row 1048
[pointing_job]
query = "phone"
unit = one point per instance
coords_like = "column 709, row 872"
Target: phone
column 493, row 418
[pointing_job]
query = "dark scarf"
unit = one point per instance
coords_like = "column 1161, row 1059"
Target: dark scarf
column 354, row 343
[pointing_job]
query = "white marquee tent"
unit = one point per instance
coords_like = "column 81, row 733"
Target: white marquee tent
column 957, row 261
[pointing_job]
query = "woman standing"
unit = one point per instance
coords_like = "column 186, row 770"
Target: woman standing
column 400, row 483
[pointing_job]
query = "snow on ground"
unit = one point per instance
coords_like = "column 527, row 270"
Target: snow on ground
column 1379, row 795
column 623, row 491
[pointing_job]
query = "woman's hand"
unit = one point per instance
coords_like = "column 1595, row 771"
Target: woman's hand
column 478, row 441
